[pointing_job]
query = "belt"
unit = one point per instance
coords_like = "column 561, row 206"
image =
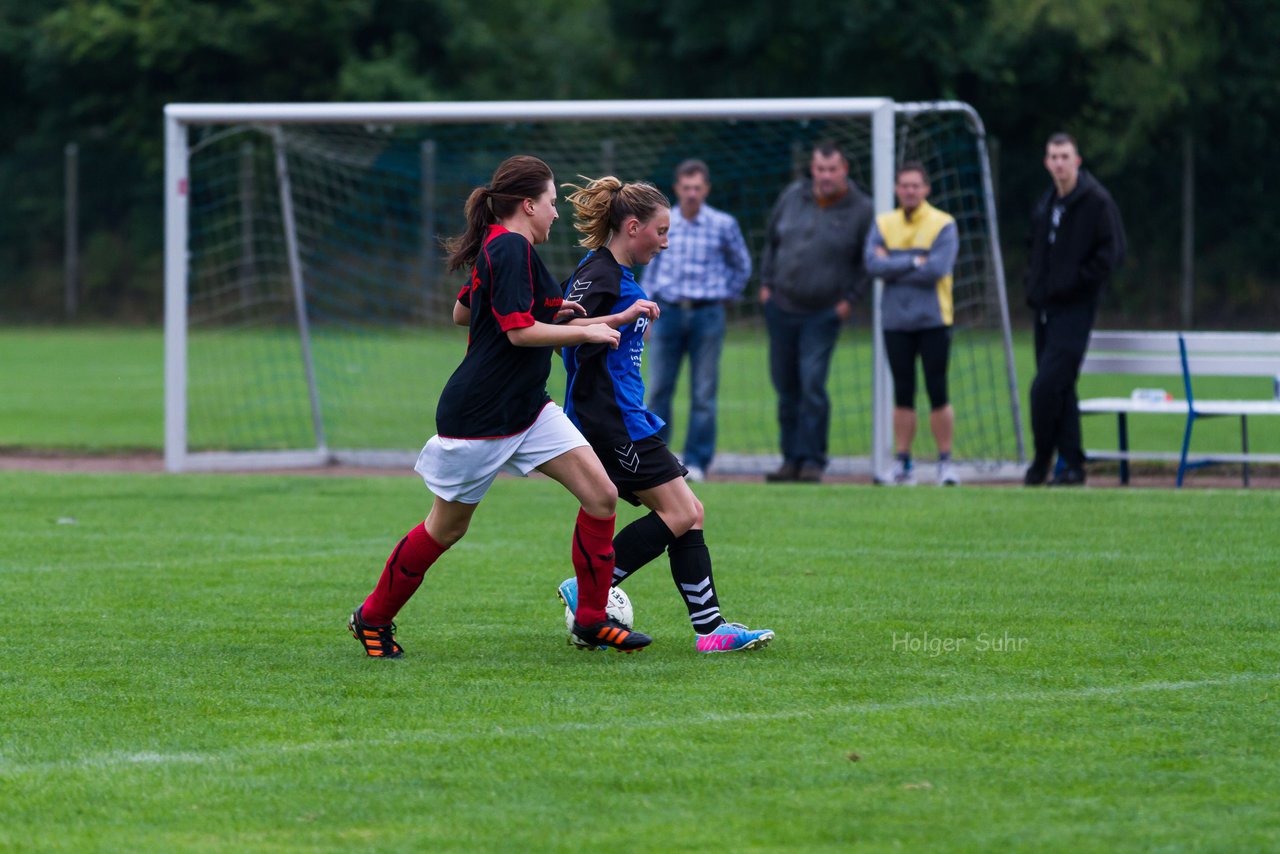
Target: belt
column 687, row 304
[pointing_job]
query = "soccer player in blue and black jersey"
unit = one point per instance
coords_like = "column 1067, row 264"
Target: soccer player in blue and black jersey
column 626, row 225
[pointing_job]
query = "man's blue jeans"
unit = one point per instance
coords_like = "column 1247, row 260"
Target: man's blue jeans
column 699, row 333
column 800, row 350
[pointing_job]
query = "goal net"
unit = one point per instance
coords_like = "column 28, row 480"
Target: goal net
column 308, row 309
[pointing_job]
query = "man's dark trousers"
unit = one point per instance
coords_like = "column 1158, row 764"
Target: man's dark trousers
column 800, row 349
column 1062, row 336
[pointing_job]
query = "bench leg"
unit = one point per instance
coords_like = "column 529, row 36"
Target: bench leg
column 1244, row 448
column 1186, row 444
column 1122, row 426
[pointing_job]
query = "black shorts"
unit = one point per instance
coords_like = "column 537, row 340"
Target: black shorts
column 640, row 465
column 933, row 346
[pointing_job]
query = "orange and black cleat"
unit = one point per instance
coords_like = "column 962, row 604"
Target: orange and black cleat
column 378, row 641
column 613, row 634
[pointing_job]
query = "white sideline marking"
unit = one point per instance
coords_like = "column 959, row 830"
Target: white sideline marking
column 144, row 758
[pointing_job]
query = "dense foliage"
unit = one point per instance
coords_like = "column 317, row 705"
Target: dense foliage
column 1134, row 81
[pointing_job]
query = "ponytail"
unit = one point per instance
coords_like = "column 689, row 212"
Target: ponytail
column 516, row 179
column 600, row 208
column 464, row 249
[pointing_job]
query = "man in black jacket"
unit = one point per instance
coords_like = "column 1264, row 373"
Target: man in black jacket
column 1077, row 240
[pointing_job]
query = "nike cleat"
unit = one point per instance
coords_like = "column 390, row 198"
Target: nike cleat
column 568, row 593
column 731, row 637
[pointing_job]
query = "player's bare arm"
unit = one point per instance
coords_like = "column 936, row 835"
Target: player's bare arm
column 567, row 335
column 461, row 314
column 639, row 308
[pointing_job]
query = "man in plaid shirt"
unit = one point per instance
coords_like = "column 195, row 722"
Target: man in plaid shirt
column 706, row 266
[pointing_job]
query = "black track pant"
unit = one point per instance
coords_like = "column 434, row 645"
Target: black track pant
column 1062, row 336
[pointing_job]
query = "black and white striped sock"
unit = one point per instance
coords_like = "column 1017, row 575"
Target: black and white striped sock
column 691, row 571
column 638, row 543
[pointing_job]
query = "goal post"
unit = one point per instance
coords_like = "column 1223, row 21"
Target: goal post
column 306, row 313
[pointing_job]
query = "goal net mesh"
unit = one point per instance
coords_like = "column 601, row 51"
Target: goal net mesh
column 366, row 206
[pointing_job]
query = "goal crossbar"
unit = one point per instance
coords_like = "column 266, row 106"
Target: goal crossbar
column 454, row 112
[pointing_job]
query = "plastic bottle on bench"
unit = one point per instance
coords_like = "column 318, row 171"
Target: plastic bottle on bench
column 1150, row 395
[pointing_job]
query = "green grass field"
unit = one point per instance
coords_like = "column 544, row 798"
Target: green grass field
column 101, row 390
column 178, row 676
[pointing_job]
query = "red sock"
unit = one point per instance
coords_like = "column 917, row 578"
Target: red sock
column 593, row 565
column 401, row 576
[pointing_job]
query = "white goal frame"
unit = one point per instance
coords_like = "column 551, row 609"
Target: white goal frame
column 178, row 118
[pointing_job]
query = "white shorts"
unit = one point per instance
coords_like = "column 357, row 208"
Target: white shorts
column 464, row 469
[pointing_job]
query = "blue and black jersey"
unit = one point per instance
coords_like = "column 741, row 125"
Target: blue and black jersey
column 500, row 388
column 605, row 393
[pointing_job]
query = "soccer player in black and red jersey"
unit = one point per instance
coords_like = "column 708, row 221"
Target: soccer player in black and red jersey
column 626, row 225
column 495, row 415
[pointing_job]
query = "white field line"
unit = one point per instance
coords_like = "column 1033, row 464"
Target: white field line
column 119, row 760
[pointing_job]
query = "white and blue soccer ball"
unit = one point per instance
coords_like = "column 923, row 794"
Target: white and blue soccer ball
column 618, row 608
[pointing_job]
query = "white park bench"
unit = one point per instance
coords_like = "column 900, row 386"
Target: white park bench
column 1187, row 355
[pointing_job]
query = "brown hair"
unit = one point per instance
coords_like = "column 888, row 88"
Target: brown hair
column 1061, row 138
column 828, row 147
column 601, row 207
column 516, row 179
column 913, row 166
column 693, row 166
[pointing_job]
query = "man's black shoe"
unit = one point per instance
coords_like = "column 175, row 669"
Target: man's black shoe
column 1036, row 474
column 788, row 472
column 810, row 473
column 1068, row 477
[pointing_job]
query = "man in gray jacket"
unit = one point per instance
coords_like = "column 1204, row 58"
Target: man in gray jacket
column 811, row 273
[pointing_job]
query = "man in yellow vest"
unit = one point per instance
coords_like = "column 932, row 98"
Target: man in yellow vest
column 913, row 249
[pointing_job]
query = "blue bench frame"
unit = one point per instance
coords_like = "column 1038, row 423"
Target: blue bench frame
column 1202, row 353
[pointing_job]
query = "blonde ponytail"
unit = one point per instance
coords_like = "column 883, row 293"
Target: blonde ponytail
column 600, row 208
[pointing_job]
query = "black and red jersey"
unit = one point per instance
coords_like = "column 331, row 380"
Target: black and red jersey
column 500, row 388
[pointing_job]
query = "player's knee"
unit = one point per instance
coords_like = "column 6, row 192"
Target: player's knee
column 602, row 500
column 448, row 533
column 685, row 516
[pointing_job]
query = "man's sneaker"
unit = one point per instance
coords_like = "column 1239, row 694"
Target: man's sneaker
column 378, row 641
column 613, row 634
column 947, row 474
column 730, row 637
column 696, row 474
column 904, row 474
